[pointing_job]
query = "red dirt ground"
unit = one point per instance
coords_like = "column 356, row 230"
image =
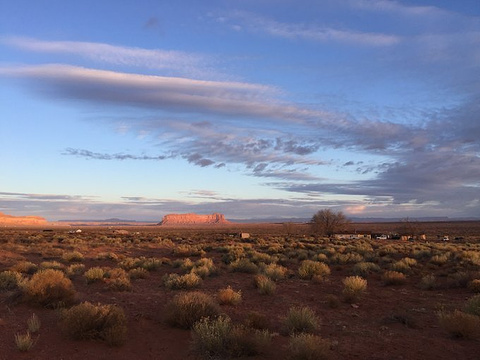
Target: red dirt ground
column 370, row 329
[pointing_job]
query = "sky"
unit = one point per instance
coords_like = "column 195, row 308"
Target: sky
column 255, row 109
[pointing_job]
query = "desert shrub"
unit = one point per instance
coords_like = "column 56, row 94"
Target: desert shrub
column 256, row 320
column 51, row 265
column 186, row 309
column 365, row 268
column 459, row 279
column 349, row 258
column 137, row 273
column 300, row 319
column 332, row 301
column 33, row 324
column 204, row 267
column 94, row 274
column 428, row 282
column 243, row 265
column 10, row 280
column 308, row 347
column 149, row 264
column 24, row 342
column 75, row 269
column 73, row 256
column 274, row 271
column 459, row 324
column 354, row 287
column 119, row 280
column 188, row 250
column 187, row 281
column 439, row 259
column 218, row 338
column 401, row 267
column 228, row 296
column 473, row 305
column 474, row 285
column 88, row 321
column 49, row 288
column 394, row 278
column 309, row 269
column 264, row 285
column 25, row 267
column 322, row 258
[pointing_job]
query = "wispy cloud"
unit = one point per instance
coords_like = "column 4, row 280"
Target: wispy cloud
column 309, row 32
column 104, row 156
column 176, row 61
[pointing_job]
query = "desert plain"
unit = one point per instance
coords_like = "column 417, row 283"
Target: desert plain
column 142, row 267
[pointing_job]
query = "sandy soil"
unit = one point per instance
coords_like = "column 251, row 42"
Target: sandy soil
column 373, row 328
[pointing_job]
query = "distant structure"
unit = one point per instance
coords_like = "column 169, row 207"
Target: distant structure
column 193, row 219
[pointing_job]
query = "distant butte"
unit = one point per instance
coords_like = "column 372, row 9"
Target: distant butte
column 10, row 220
column 193, row 219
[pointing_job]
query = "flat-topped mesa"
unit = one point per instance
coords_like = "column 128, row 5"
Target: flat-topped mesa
column 194, row 219
column 10, row 220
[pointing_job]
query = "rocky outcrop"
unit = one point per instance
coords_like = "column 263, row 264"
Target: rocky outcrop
column 10, row 220
column 194, row 219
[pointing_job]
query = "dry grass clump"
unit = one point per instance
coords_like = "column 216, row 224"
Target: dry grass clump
column 313, row 269
column 34, row 324
column 25, row 267
column 24, row 342
column 177, row 282
column 308, row 347
column 50, row 288
column 88, row 321
column 439, row 259
column 149, row 264
column 75, row 269
column 365, row 268
column 301, row 319
column 459, row 324
column 228, row 296
column 394, row 278
column 473, row 305
column 244, row 265
column 354, row 288
column 218, row 338
column 137, row 273
column 51, row 265
column 264, row 285
column 428, row 282
column 73, row 256
column 10, row 280
column 256, row 320
column 474, row 285
column 94, row 274
column 186, row 309
column 274, row 271
column 204, row 267
column 118, row 280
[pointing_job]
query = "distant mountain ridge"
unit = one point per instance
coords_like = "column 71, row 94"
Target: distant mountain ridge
column 11, row 220
column 193, row 219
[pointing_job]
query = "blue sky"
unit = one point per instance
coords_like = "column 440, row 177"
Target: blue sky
column 256, row 109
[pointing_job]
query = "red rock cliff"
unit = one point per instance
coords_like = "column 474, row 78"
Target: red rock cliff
column 9, row 220
column 193, row 219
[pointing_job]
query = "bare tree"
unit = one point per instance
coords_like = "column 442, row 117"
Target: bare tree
column 326, row 222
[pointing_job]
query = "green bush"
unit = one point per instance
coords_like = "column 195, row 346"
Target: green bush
column 187, row 308
column 301, row 319
column 50, row 288
column 308, row 347
column 88, row 321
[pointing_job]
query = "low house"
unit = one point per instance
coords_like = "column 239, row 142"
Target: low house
column 356, row 235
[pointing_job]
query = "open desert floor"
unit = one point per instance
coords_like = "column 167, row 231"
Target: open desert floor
column 417, row 303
